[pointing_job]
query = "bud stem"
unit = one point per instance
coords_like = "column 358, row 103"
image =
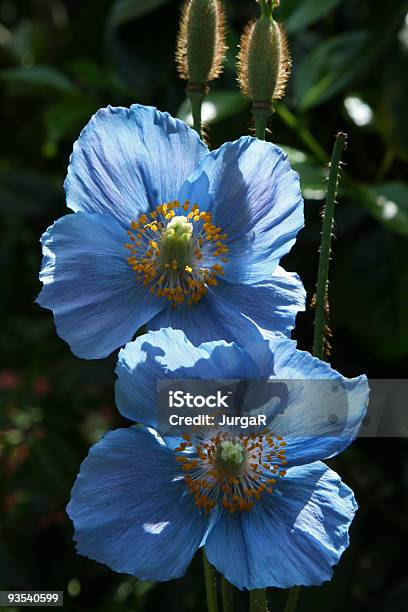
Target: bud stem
column 196, row 97
column 262, row 114
column 325, row 248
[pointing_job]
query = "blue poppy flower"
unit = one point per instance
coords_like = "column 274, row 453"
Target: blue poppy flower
column 265, row 507
column 166, row 233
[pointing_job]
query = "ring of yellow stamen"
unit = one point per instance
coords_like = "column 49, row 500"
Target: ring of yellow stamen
column 232, row 471
column 177, row 255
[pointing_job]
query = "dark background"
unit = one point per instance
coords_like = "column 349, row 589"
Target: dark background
column 62, row 60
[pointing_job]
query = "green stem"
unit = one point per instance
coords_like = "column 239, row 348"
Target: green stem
column 261, row 115
column 386, row 164
column 307, row 137
column 260, row 129
column 227, row 591
column 325, row 248
column 210, row 584
column 258, row 601
column 293, row 599
column 196, row 96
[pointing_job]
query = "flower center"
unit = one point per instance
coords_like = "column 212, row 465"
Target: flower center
column 233, row 471
column 177, row 256
column 230, row 457
column 177, row 243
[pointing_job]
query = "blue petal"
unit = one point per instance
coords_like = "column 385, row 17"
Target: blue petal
column 131, row 510
column 98, row 303
column 293, row 536
column 324, row 410
column 203, row 322
column 127, row 161
column 168, row 354
column 240, row 313
column 272, row 305
column 255, row 198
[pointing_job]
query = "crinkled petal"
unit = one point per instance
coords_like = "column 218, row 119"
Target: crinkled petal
column 240, row 313
column 98, row 303
column 323, row 411
column 128, row 160
column 293, row 536
column 131, row 510
column 271, row 304
column 255, row 198
column 169, row 354
column 203, row 322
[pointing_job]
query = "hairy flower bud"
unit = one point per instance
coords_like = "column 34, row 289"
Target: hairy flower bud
column 201, row 42
column 264, row 62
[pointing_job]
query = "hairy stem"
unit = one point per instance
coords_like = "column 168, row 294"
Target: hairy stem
column 258, row 601
column 196, row 97
column 325, row 248
column 293, row 599
column 227, row 591
column 210, row 584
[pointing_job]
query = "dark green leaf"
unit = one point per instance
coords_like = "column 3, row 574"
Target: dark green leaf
column 369, row 288
column 96, row 77
column 26, row 193
column 140, row 64
column 388, row 203
column 65, row 119
column 312, row 175
column 392, row 117
column 127, row 10
column 330, row 67
column 39, row 77
column 303, row 14
column 27, row 41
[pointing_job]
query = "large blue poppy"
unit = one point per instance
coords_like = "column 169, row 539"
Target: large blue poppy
column 166, row 233
column 265, row 507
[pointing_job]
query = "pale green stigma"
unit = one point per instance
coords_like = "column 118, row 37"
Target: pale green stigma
column 232, row 453
column 177, row 242
column 179, row 226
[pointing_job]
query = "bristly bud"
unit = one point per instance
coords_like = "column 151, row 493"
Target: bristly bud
column 263, row 61
column 201, row 44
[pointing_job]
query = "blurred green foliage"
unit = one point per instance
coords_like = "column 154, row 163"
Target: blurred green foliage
column 62, row 60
